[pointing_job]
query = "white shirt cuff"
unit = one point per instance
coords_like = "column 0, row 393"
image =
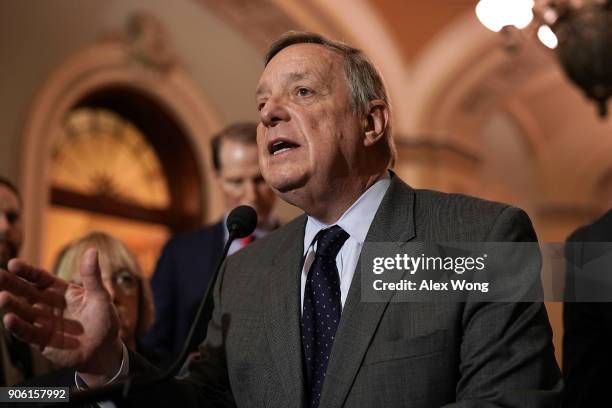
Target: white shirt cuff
column 123, row 371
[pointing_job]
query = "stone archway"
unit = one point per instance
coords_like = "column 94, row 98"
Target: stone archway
column 103, row 65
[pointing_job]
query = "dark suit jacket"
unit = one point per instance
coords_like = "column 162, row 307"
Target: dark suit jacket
column 179, row 281
column 385, row 354
column 587, row 340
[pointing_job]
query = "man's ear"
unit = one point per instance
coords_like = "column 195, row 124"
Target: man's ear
column 376, row 122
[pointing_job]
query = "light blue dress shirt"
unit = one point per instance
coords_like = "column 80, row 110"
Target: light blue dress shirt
column 356, row 222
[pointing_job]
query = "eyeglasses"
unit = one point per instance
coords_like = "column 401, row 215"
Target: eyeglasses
column 125, row 281
column 122, row 279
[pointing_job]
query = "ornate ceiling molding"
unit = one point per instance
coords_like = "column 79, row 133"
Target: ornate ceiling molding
column 260, row 21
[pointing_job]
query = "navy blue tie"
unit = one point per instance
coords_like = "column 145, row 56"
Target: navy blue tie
column 322, row 309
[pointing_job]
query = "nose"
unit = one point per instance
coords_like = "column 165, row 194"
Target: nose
column 273, row 112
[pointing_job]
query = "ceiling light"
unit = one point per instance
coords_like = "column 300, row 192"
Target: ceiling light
column 497, row 14
column 547, row 37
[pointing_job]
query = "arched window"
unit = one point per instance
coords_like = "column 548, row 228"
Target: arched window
column 123, row 165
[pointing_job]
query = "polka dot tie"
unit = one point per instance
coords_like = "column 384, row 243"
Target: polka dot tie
column 322, row 309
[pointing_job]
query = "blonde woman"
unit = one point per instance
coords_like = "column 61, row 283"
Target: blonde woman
column 129, row 289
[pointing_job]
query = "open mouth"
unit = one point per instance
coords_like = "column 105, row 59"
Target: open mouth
column 281, row 146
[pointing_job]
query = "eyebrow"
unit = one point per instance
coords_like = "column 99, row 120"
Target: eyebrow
column 296, row 76
column 260, row 90
column 292, row 77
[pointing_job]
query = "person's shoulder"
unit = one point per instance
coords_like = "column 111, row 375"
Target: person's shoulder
column 196, row 236
column 445, row 205
column 598, row 230
column 270, row 244
column 246, row 267
column 456, row 204
column 463, row 217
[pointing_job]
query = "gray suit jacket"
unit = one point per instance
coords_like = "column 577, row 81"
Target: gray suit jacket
column 385, row 354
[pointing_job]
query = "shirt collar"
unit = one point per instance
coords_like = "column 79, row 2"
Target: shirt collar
column 357, row 219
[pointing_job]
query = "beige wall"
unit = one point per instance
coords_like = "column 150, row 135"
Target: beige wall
column 38, row 36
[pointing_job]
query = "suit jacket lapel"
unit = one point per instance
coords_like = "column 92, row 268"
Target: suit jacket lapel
column 283, row 313
column 394, row 222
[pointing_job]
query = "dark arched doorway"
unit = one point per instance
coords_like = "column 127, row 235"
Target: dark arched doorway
column 124, row 165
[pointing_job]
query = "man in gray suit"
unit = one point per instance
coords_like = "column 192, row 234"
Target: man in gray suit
column 289, row 328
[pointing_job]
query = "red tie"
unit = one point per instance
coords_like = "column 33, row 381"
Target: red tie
column 246, row 240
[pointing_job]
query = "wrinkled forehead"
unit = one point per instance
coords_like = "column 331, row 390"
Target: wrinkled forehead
column 301, row 61
column 238, row 160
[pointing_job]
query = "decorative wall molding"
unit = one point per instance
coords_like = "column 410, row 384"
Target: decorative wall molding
column 148, row 42
column 106, row 63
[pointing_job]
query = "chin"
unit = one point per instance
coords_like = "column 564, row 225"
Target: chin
column 285, row 175
column 288, row 184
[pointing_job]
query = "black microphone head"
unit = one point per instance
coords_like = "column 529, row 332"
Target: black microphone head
column 242, row 221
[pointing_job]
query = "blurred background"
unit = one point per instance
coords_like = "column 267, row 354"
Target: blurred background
column 107, row 107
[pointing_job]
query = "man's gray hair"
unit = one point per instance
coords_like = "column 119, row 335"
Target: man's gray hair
column 364, row 81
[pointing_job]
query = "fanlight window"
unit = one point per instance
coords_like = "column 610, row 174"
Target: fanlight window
column 100, row 154
column 112, row 174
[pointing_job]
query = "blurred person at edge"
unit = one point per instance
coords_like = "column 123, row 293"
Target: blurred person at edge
column 587, row 315
column 11, row 224
column 18, row 361
column 189, row 259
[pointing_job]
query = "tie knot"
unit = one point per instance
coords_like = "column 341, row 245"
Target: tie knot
column 330, row 240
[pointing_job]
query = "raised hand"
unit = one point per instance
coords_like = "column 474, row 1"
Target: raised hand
column 73, row 326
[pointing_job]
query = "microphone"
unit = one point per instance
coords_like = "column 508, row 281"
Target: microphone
column 241, row 222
